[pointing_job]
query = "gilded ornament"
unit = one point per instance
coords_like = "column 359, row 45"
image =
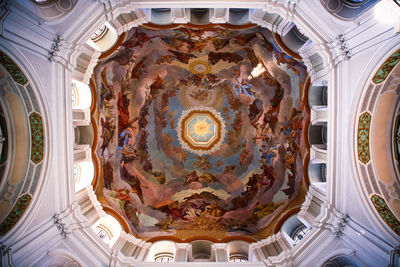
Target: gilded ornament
column 364, row 123
column 199, row 67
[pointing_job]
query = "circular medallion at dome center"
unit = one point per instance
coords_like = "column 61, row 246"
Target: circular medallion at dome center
column 201, row 130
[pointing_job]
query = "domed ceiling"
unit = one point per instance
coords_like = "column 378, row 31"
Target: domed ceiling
column 200, row 130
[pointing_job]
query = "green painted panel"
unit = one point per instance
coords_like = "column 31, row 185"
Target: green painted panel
column 12, row 68
column 386, row 214
column 36, row 137
column 16, row 213
column 384, row 71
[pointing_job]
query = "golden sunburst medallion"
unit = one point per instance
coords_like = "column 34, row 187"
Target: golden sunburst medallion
column 201, row 130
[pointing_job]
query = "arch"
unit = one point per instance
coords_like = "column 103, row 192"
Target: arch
column 347, row 9
column 25, row 135
column 60, row 257
column 54, row 9
column 339, row 261
column 374, row 127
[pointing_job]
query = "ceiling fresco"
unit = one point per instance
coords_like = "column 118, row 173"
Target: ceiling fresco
column 200, row 129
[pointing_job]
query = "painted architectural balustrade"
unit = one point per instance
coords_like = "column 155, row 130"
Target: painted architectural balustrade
column 295, row 39
column 90, row 208
column 318, row 96
column 182, row 252
column 311, row 207
column 198, row 251
column 84, row 59
column 199, row 16
column 317, row 174
column 131, row 247
column 82, row 153
column 269, row 247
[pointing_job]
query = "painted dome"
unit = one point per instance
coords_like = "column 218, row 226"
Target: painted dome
column 201, row 131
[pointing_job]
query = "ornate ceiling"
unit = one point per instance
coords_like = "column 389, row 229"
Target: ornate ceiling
column 201, row 131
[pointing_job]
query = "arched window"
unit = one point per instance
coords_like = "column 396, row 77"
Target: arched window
column 103, row 233
column 83, row 174
column 107, row 229
column 300, row 233
column 294, row 230
column 164, row 257
column 237, row 258
column 162, row 251
column 81, row 95
column 103, row 38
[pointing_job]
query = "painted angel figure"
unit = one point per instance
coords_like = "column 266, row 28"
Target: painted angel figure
column 242, row 91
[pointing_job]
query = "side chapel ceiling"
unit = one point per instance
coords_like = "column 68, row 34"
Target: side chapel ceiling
column 200, row 130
